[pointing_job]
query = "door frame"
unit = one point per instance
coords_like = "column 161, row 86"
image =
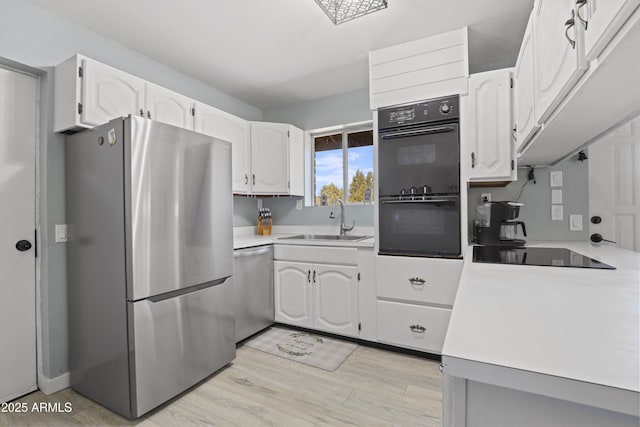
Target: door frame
column 40, row 135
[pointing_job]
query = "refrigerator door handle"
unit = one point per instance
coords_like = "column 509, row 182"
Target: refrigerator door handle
column 190, row 289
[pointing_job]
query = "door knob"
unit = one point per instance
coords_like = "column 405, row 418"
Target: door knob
column 23, row 245
column 596, row 219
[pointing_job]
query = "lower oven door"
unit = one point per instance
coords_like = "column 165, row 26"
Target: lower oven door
column 428, row 226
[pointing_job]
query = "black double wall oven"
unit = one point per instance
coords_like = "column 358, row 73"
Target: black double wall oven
column 419, row 179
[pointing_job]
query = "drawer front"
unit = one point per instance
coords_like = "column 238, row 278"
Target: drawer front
column 427, row 280
column 412, row 326
column 316, row 254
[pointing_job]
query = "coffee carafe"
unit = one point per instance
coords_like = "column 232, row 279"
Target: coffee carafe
column 497, row 224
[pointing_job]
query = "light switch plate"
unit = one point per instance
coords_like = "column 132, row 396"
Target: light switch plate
column 556, row 212
column 556, row 197
column 575, row 222
column 61, row 233
column 485, row 197
column 555, row 178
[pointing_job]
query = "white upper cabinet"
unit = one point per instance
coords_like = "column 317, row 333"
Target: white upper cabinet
column 109, row 93
column 277, row 159
column 524, row 117
column 219, row 124
column 601, row 20
column 168, row 107
column 487, row 128
column 559, row 61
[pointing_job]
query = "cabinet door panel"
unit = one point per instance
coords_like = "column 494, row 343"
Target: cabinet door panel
column 335, row 290
column 169, row 107
column 108, row 93
column 293, row 296
column 558, row 64
column 269, row 158
column 219, row 124
column 604, row 19
column 524, row 111
column 488, row 125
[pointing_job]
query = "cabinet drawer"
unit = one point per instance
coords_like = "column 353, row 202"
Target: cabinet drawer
column 427, row 280
column 402, row 325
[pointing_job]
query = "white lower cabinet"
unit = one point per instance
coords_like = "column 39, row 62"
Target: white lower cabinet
column 412, row 326
column 318, row 296
column 414, row 300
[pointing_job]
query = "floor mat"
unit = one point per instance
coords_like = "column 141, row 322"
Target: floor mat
column 314, row 350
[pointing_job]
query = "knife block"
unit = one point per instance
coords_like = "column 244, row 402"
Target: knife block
column 264, row 226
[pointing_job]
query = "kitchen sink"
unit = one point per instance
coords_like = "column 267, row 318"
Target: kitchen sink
column 324, row 237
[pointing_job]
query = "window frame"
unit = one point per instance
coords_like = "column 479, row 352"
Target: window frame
column 345, row 130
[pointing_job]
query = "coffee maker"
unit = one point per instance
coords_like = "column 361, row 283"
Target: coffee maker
column 497, row 225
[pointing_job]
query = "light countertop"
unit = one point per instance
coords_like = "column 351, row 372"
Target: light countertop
column 246, row 238
column 575, row 323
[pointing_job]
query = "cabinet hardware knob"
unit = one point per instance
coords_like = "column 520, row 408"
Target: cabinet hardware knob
column 580, row 4
column 309, row 276
column 417, row 281
column 246, row 179
column 314, row 276
column 473, row 160
column 141, row 112
column 570, row 23
column 148, row 114
column 418, row 329
column 254, row 179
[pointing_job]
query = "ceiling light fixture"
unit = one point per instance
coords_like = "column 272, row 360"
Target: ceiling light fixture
column 340, row 11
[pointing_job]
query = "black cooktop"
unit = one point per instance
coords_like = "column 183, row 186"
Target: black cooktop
column 547, row 257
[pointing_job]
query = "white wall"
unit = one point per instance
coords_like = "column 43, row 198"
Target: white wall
column 36, row 37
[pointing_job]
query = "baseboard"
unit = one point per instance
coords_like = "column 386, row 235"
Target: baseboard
column 52, row 385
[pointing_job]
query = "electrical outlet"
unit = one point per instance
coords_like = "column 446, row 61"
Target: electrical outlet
column 485, row 197
column 299, row 204
column 556, row 212
column 259, row 203
column 575, row 222
column 61, row 233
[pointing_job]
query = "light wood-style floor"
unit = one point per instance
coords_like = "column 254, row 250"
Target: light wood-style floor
column 372, row 387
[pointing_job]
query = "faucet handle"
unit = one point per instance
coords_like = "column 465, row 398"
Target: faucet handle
column 348, row 227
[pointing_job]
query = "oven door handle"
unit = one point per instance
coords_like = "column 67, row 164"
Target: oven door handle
column 389, row 202
column 429, row 131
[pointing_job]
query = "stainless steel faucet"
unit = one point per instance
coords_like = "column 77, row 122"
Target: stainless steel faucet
column 343, row 228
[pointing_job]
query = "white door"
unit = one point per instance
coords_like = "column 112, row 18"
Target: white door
column 168, row 107
column 603, row 19
column 558, row 63
column 614, row 187
column 293, row 294
column 18, row 107
column 219, row 124
column 335, row 295
column 524, row 91
column 488, row 125
column 108, row 93
column 269, row 158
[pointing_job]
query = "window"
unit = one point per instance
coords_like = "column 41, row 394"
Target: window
column 342, row 166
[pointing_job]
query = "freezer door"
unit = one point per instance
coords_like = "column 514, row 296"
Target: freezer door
column 179, row 341
column 179, row 208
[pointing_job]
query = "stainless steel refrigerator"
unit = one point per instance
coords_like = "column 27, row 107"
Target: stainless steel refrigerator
column 149, row 261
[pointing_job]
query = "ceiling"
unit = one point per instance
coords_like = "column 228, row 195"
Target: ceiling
column 271, row 53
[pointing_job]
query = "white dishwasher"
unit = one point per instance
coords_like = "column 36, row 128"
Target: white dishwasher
column 253, row 290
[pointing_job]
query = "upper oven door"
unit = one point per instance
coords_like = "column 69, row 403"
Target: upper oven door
column 420, row 157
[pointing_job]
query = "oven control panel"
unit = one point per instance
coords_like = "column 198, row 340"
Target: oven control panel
column 433, row 110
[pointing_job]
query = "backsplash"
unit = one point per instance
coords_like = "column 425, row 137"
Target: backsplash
column 245, row 211
column 284, row 212
column 536, row 212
